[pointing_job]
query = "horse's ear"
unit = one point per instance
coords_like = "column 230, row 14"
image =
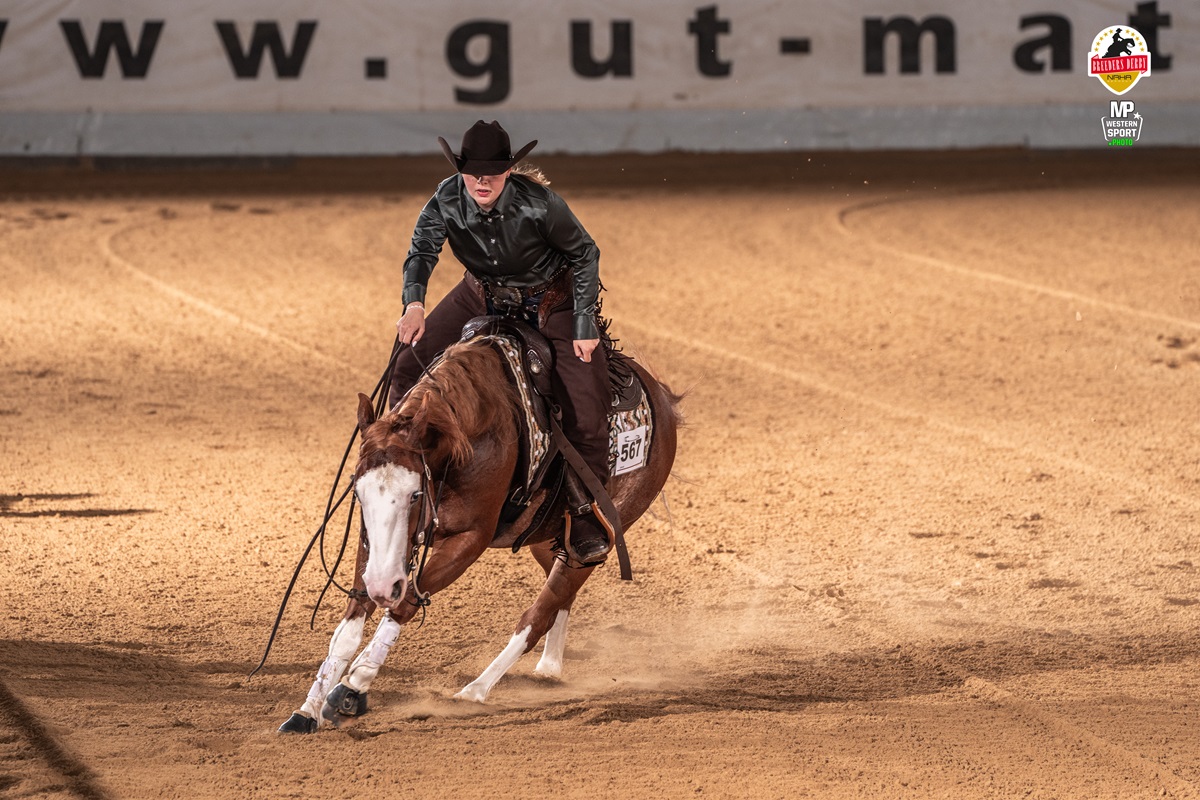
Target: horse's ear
column 366, row 413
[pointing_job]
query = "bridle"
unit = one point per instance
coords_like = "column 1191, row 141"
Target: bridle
column 427, row 520
column 426, row 528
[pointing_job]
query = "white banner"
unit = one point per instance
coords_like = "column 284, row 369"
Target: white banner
column 900, row 59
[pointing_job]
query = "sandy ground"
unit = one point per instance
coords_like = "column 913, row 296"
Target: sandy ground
column 933, row 529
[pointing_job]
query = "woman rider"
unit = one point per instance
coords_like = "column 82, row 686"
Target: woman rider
column 518, row 241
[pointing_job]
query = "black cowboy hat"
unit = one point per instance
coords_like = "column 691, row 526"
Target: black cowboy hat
column 486, row 150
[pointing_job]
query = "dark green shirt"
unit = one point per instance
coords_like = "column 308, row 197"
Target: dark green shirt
column 526, row 238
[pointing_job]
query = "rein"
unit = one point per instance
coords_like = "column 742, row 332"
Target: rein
column 332, row 505
column 426, row 526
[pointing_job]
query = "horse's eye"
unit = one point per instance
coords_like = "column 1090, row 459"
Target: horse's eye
column 416, row 496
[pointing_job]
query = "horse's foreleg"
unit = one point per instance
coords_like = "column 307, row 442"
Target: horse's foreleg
column 345, row 640
column 447, row 561
column 366, row 666
column 349, row 697
column 562, row 584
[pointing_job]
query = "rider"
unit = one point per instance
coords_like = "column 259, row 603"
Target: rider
column 521, row 246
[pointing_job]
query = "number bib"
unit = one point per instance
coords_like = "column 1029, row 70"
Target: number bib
column 631, row 450
column 629, row 437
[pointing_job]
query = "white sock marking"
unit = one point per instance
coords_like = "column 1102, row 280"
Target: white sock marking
column 479, row 688
column 551, row 663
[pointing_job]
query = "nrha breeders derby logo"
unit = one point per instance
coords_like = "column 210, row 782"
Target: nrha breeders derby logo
column 1119, row 58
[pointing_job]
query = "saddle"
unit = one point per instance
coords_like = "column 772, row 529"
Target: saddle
column 545, row 452
column 535, row 362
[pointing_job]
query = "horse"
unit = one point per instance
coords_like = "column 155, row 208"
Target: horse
column 459, row 423
column 1119, row 46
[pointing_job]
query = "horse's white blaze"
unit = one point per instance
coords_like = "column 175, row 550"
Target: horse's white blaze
column 366, row 666
column 342, row 644
column 385, row 494
column 479, row 688
column 550, row 664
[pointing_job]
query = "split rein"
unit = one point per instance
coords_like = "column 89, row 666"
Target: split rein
column 427, row 520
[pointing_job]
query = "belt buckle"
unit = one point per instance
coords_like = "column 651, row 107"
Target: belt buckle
column 508, row 297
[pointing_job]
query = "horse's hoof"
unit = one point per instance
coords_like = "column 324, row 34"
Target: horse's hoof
column 343, row 703
column 548, row 673
column 472, row 694
column 299, row 723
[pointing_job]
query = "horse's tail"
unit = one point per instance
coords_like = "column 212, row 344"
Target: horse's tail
column 669, row 400
column 673, row 402
column 665, row 404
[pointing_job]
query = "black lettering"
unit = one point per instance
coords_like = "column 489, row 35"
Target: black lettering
column 707, row 27
column 875, row 30
column 376, row 68
column 495, row 65
column 247, row 63
column 3, row 27
column 1057, row 40
column 620, row 59
column 92, row 63
column 1147, row 20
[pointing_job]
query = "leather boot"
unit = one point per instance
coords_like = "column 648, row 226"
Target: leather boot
column 589, row 536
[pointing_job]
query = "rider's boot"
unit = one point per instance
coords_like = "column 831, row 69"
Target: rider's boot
column 589, row 536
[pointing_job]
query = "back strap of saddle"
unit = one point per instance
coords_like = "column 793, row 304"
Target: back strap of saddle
column 599, row 494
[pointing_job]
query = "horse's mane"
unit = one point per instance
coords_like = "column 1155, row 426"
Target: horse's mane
column 468, row 397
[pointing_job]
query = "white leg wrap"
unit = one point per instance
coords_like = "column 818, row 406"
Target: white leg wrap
column 345, row 640
column 479, row 688
column 366, row 666
column 551, row 663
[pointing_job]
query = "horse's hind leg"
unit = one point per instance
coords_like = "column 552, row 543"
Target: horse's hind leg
column 551, row 607
column 342, row 645
column 551, row 663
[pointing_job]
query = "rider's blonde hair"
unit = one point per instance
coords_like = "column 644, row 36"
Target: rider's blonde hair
column 527, row 170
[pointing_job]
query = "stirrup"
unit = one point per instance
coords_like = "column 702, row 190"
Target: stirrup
column 596, row 555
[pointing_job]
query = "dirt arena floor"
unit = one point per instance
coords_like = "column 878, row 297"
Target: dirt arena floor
column 933, row 529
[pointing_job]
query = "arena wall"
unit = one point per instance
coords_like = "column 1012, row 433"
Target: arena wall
column 377, row 77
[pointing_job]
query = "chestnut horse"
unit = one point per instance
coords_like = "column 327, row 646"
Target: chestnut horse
column 446, row 454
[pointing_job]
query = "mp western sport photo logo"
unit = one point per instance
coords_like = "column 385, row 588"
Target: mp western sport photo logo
column 1123, row 125
column 1119, row 58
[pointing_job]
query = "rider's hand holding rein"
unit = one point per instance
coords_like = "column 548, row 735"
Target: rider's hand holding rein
column 411, row 327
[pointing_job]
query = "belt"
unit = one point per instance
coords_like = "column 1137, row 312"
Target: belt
column 519, row 295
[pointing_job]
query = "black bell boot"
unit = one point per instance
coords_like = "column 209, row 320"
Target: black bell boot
column 589, row 536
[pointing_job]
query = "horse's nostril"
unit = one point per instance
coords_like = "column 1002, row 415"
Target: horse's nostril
column 396, row 589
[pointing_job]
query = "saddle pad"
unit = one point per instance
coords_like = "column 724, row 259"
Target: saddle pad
column 538, row 441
